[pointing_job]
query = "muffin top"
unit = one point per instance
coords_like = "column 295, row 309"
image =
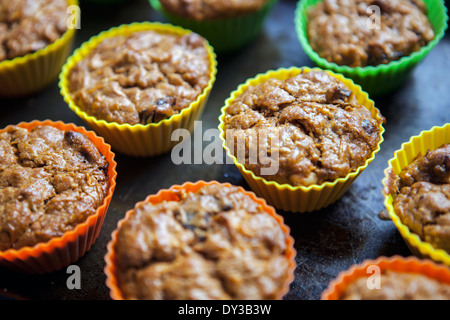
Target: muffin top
column 27, row 26
column 212, row 9
column 50, row 181
column 215, row 243
column 142, row 78
column 398, row 286
column 422, row 197
column 348, row 32
column 322, row 132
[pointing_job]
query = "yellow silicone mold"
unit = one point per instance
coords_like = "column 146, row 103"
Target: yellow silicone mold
column 138, row 140
column 299, row 198
column 426, row 140
column 29, row 74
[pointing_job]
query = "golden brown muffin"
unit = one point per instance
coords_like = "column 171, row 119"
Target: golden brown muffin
column 27, row 26
column 50, row 181
column 142, row 78
column 215, row 243
column 398, row 286
column 422, row 197
column 212, row 9
column 323, row 132
column 349, row 33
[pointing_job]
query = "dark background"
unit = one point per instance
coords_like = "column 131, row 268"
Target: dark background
column 327, row 241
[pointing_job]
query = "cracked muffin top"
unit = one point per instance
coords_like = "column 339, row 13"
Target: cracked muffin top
column 422, row 197
column 214, row 243
column 348, row 32
column 398, row 286
column 27, row 26
column 321, row 131
column 212, row 9
column 142, row 78
column 50, row 181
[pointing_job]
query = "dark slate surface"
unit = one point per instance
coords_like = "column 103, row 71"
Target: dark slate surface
column 327, row 241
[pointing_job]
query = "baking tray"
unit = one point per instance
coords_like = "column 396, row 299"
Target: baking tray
column 327, row 241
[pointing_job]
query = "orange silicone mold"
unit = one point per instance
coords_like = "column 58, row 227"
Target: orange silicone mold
column 171, row 194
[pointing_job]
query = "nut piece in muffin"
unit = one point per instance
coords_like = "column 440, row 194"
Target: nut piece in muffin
column 212, row 9
column 324, row 133
column 214, row 243
column 142, row 78
column 422, row 197
column 50, row 181
column 398, row 286
column 27, row 26
column 343, row 31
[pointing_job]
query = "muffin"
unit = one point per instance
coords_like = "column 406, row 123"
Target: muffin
column 338, row 31
column 398, row 286
column 27, row 26
column 416, row 193
column 35, row 40
column 375, row 43
column 203, row 241
column 422, row 196
column 228, row 25
column 135, row 84
column 300, row 136
column 212, row 9
column 50, row 181
column 394, row 278
column 56, row 182
column 284, row 131
column 324, row 132
column 141, row 78
column 104, row 2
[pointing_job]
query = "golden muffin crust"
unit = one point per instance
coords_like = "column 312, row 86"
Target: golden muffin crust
column 398, row 286
column 50, row 181
column 340, row 30
column 27, row 26
column 422, row 197
column 323, row 132
column 212, row 9
column 215, row 243
column 142, row 78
